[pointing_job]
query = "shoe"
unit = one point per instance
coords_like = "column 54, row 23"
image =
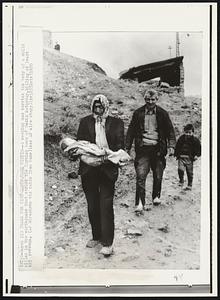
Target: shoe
column 181, row 183
column 92, row 243
column 148, row 207
column 139, row 208
column 106, row 250
column 156, row 201
column 188, row 188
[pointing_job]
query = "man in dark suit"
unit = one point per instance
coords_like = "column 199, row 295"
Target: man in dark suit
column 99, row 182
column 153, row 133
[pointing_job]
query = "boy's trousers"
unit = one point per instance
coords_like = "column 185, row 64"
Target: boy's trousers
column 185, row 163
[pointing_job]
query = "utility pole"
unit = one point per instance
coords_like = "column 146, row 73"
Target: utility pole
column 177, row 44
column 170, row 50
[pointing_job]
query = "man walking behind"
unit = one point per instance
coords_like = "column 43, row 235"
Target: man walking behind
column 153, row 133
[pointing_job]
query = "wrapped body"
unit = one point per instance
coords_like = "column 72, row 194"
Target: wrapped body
column 91, row 154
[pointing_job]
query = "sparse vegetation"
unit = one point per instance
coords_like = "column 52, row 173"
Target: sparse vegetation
column 69, row 85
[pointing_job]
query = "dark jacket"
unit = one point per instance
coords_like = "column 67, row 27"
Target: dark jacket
column 114, row 128
column 188, row 146
column 165, row 130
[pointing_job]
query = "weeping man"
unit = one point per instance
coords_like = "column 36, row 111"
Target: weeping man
column 98, row 182
column 152, row 131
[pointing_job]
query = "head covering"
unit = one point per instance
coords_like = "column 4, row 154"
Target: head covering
column 100, row 133
column 151, row 93
column 104, row 101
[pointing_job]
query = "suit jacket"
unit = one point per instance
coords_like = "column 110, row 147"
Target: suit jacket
column 114, row 128
column 166, row 133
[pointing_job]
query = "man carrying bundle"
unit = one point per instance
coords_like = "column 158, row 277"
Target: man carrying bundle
column 98, row 182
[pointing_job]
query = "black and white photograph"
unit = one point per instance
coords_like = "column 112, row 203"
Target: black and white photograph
column 109, row 147
column 122, row 132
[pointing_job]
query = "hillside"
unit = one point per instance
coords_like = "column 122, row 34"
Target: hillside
column 69, row 85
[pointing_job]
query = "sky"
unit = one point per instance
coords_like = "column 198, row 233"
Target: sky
column 119, row 36
column 117, row 51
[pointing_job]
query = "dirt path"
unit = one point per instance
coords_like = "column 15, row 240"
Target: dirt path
column 69, row 85
column 168, row 235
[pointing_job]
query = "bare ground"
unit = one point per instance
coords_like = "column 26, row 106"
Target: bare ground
column 167, row 237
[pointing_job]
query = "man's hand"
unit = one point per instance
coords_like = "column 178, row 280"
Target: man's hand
column 104, row 158
column 170, row 151
column 195, row 158
column 72, row 155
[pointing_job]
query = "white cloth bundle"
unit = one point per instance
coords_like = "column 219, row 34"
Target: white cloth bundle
column 91, row 154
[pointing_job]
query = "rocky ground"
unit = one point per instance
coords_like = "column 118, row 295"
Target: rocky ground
column 168, row 236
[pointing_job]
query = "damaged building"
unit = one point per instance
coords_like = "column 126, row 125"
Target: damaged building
column 170, row 71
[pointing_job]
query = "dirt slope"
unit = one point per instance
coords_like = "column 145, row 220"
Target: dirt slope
column 167, row 237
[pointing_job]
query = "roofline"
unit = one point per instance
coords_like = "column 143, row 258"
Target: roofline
column 152, row 65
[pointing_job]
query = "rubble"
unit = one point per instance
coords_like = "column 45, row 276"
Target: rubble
column 164, row 228
column 133, row 231
column 124, row 205
column 168, row 252
column 67, row 212
column 60, row 249
column 130, row 258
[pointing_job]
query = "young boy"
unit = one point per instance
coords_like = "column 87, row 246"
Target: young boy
column 187, row 150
